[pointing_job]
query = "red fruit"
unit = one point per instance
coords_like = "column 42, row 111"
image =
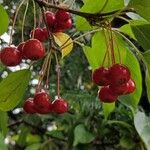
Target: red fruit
column 20, row 48
column 119, row 74
column 29, row 106
column 62, row 15
column 42, row 102
column 100, row 76
column 106, row 95
column 60, row 106
column 45, row 33
column 50, row 18
column 119, row 89
column 63, row 25
column 38, row 34
column 131, row 86
column 10, row 56
column 33, row 49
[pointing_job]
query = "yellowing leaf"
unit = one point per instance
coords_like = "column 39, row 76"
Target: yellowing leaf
column 65, row 42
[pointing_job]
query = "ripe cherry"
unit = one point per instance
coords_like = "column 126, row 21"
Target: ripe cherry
column 42, row 102
column 45, row 33
column 33, row 49
column 62, row 15
column 131, row 86
column 63, row 25
column 106, row 95
column 38, row 34
column 60, row 106
column 50, row 18
column 119, row 89
column 29, row 106
column 119, row 74
column 10, row 56
column 100, row 76
column 20, row 48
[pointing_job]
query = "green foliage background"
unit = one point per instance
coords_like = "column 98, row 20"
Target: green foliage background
column 89, row 124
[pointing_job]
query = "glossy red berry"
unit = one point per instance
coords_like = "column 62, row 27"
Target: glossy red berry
column 62, row 15
column 50, row 18
column 131, row 86
column 45, row 33
column 10, row 56
column 100, row 76
column 29, row 106
column 64, row 25
column 119, row 89
column 60, row 106
column 33, row 49
column 42, row 102
column 38, row 34
column 20, row 48
column 106, row 95
column 119, row 74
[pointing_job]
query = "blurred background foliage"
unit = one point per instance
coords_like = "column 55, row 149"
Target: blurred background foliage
column 84, row 127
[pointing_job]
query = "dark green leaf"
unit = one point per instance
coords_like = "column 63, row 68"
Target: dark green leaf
column 33, row 147
column 141, row 31
column 142, row 7
column 4, row 20
column 81, row 135
column 3, row 122
column 147, row 79
column 23, row 135
column 2, row 144
column 142, row 125
column 13, row 88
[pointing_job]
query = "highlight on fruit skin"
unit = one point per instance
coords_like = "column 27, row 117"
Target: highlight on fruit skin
column 33, row 49
column 10, row 56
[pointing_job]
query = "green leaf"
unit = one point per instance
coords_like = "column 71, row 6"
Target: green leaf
column 23, row 135
column 96, row 6
column 2, row 144
column 33, row 147
column 4, row 20
column 108, row 108
column 147, row 79
column 141, row 30
column 95, row 55
column 56, row 134
column 126, row 29
column 13, row 88
column 81, row 135
column 126, row 142
column 3, row 122
column 142, row 7
column 142, row 125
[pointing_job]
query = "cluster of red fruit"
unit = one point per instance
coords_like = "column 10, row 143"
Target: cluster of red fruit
column 33, row 49
column 115, row 80
column 58, row 22
column 42, row 104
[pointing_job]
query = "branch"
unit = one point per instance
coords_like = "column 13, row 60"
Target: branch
column 79, row 13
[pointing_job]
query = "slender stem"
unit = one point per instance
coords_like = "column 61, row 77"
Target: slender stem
column 111, row 45
column 48, row 70
column 81, row 36
column 119, row 55
column 34, row 12
column 107, row 48
column 23, row 21
column 14, row 21
column 58, row 75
